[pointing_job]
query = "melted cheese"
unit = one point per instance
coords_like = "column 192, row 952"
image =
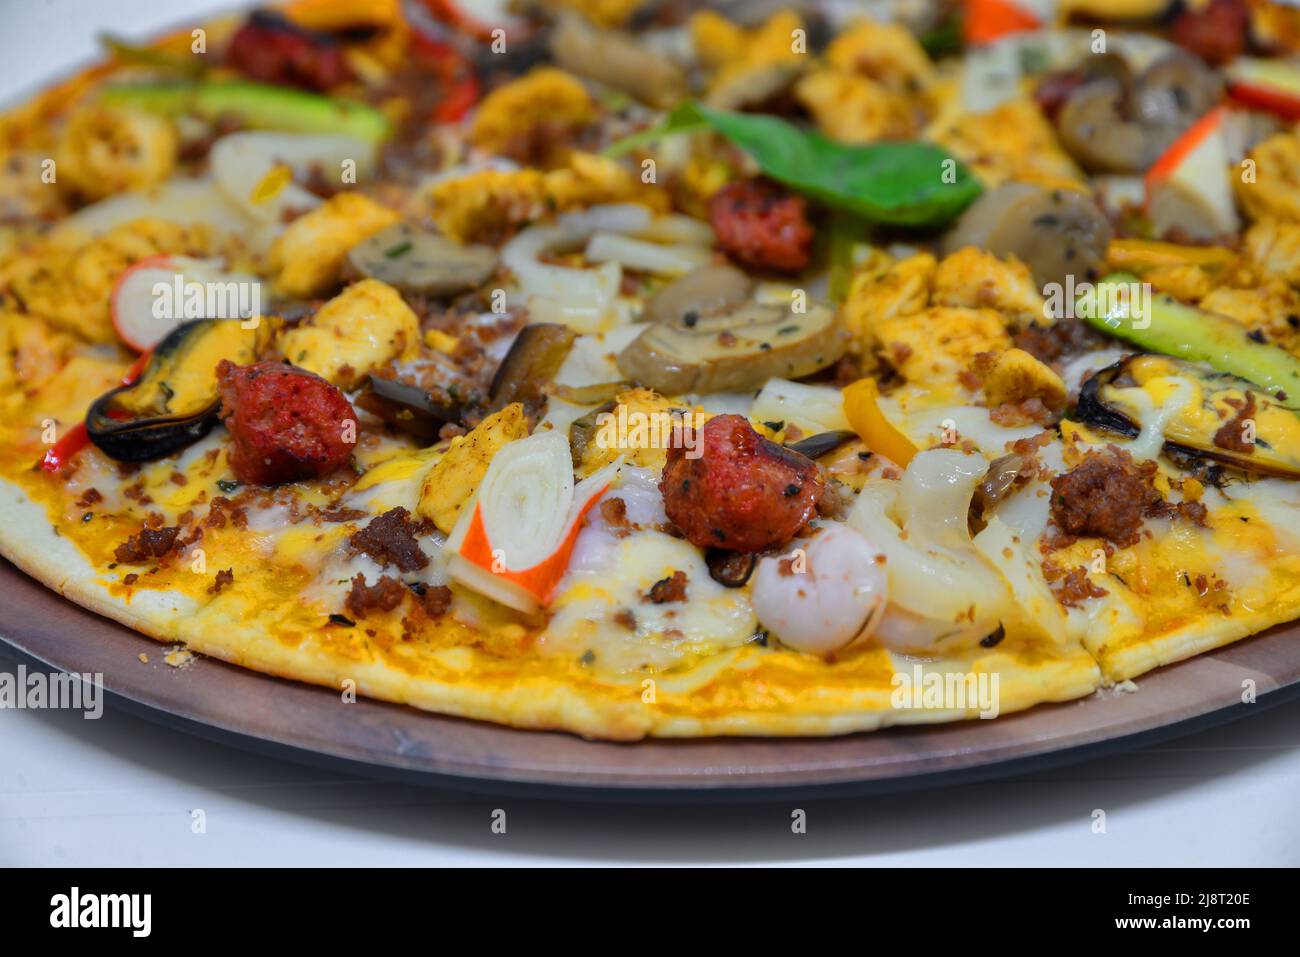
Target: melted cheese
column 712, row 618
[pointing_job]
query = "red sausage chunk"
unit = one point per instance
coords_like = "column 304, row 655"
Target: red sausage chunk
column 285, row 424
column 270, row 49
column 743, row 492
column 761, row 225
column 1216, row 34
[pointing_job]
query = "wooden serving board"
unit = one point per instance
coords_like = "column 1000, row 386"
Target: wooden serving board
column 307, row 724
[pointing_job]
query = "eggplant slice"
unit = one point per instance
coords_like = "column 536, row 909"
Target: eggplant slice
column 409, row 407
column 529, row 368
column 1222, row 417
column 176, row 400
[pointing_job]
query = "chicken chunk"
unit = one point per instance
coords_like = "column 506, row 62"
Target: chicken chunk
column 455, row 477
column 941, row 341
column 1012, row 142
column 547, row 99
column 308, row 256
column 902, row 290
column 854, row 109
column 489, row 205
column 1274, row 246
column 1274, row 190
column 69, row 284
column 750, row 66
column 976, row 279
column 632, row 432
column 362, row 327
column 1015, row 377
column 885, row 52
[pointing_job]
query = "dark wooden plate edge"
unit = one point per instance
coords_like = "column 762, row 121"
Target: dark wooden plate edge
column 719, row 791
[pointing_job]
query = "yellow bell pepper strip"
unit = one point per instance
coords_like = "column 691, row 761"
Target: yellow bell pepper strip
column 332, row 15
column 1136, row 255
column 862, row 409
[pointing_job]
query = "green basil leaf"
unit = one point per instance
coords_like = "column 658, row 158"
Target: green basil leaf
column 909, row 183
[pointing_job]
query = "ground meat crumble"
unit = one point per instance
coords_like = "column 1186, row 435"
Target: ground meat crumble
column 384, row 595
column 390, row 540
column 147, row 545
column 1106, row 496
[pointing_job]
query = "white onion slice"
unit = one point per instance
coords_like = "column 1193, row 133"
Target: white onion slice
column 241, row 161
column 934, row 570
column 676, row 228
column 528, row 506
column 186, row 202
column 526, row 496
column 665, row 260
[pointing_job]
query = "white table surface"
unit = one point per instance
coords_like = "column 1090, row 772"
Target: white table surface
column 120, row 790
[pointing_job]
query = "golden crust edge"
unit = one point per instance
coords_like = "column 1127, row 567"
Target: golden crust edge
column 27, row 538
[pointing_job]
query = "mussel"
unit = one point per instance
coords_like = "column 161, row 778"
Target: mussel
column 1200, row 413
column 176, row 400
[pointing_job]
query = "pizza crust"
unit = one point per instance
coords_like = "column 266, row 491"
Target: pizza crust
column 481, row 688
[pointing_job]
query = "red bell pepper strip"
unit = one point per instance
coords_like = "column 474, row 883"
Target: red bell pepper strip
column 456, row 76
column 58, row 454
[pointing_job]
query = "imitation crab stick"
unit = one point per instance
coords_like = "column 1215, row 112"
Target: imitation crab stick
column 514, row 541
column 1187, row 188
column 862, row 409
column 141, row 316
column 989, row 20
column 1272, row 85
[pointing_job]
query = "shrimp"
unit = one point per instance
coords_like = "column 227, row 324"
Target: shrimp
column 825, row 595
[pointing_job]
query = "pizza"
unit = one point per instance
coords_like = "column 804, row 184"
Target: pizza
column 640, row 368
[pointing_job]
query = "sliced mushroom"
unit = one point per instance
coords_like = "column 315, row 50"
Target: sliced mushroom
column 615, row 58
column 733, row 351
column 422, row 263
column 1097, row 133
column 1109, row 125
column 702, row 291
column 1055, row 232
column 1174, row 92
